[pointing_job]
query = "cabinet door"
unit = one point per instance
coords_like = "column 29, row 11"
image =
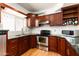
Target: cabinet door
column 33, row 41
column 61, row 46
column 52, row 43
column 20, row 46
column 56, row 19
column 12, row 47
column 70, row 51
column 26, row 43
column 31, row 21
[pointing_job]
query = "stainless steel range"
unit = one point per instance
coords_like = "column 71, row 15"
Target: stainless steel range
column 42, row 40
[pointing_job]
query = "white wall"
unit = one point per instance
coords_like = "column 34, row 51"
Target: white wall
column 54, row 29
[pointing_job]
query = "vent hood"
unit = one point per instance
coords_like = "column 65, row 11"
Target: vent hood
column 43, row 23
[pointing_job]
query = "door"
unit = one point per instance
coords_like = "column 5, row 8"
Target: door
column 52, row 43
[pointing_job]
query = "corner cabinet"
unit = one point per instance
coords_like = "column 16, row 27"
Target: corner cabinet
column 56, row 19
column 70, row 51
column 32, row 20
column 61, row 45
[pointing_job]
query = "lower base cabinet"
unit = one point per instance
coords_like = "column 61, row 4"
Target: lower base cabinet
column 18, row 46
column 56, row 44
column 12, row 47
column 52, row 43
column 33, row 41
column 70, row 51
column 61, row 46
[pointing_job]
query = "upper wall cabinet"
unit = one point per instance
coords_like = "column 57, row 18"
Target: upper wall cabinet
column 71, row 15
column 43, row 20
column 56, row 19
column 32, row 20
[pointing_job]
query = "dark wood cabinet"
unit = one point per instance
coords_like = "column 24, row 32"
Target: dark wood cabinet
column 20, row 45
column 52, row 43
column 12, row 47
column 17, row 46
column 70, row 15
column 33, row 41
column 41, row 18
column 31, row 20
column 61, row 46
column 56, row 19
column 70, row 51
column 26, row 43
column 23, row 44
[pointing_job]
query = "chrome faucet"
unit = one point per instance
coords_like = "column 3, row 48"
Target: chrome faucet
column 22, row 31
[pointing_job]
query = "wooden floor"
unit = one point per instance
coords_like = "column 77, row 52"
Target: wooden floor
column 38, row 52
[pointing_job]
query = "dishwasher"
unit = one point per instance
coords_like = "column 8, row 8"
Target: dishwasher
column 2, row 43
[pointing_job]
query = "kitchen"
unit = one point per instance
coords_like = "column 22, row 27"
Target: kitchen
column 50, row 28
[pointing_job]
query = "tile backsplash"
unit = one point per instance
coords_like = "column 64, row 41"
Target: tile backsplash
column 54, row 29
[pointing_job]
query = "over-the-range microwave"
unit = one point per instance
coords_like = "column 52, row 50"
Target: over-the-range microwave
column 70, row 32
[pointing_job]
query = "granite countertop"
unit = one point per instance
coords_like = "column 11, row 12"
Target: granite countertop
column 16, row 36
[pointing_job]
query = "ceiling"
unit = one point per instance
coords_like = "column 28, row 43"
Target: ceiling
column 41, row 8
column 36, row 7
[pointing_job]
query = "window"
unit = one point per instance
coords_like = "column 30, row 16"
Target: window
column 12, row 22
column 19, row 23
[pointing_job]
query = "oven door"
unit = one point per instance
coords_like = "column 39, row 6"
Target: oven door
column 42, row 40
